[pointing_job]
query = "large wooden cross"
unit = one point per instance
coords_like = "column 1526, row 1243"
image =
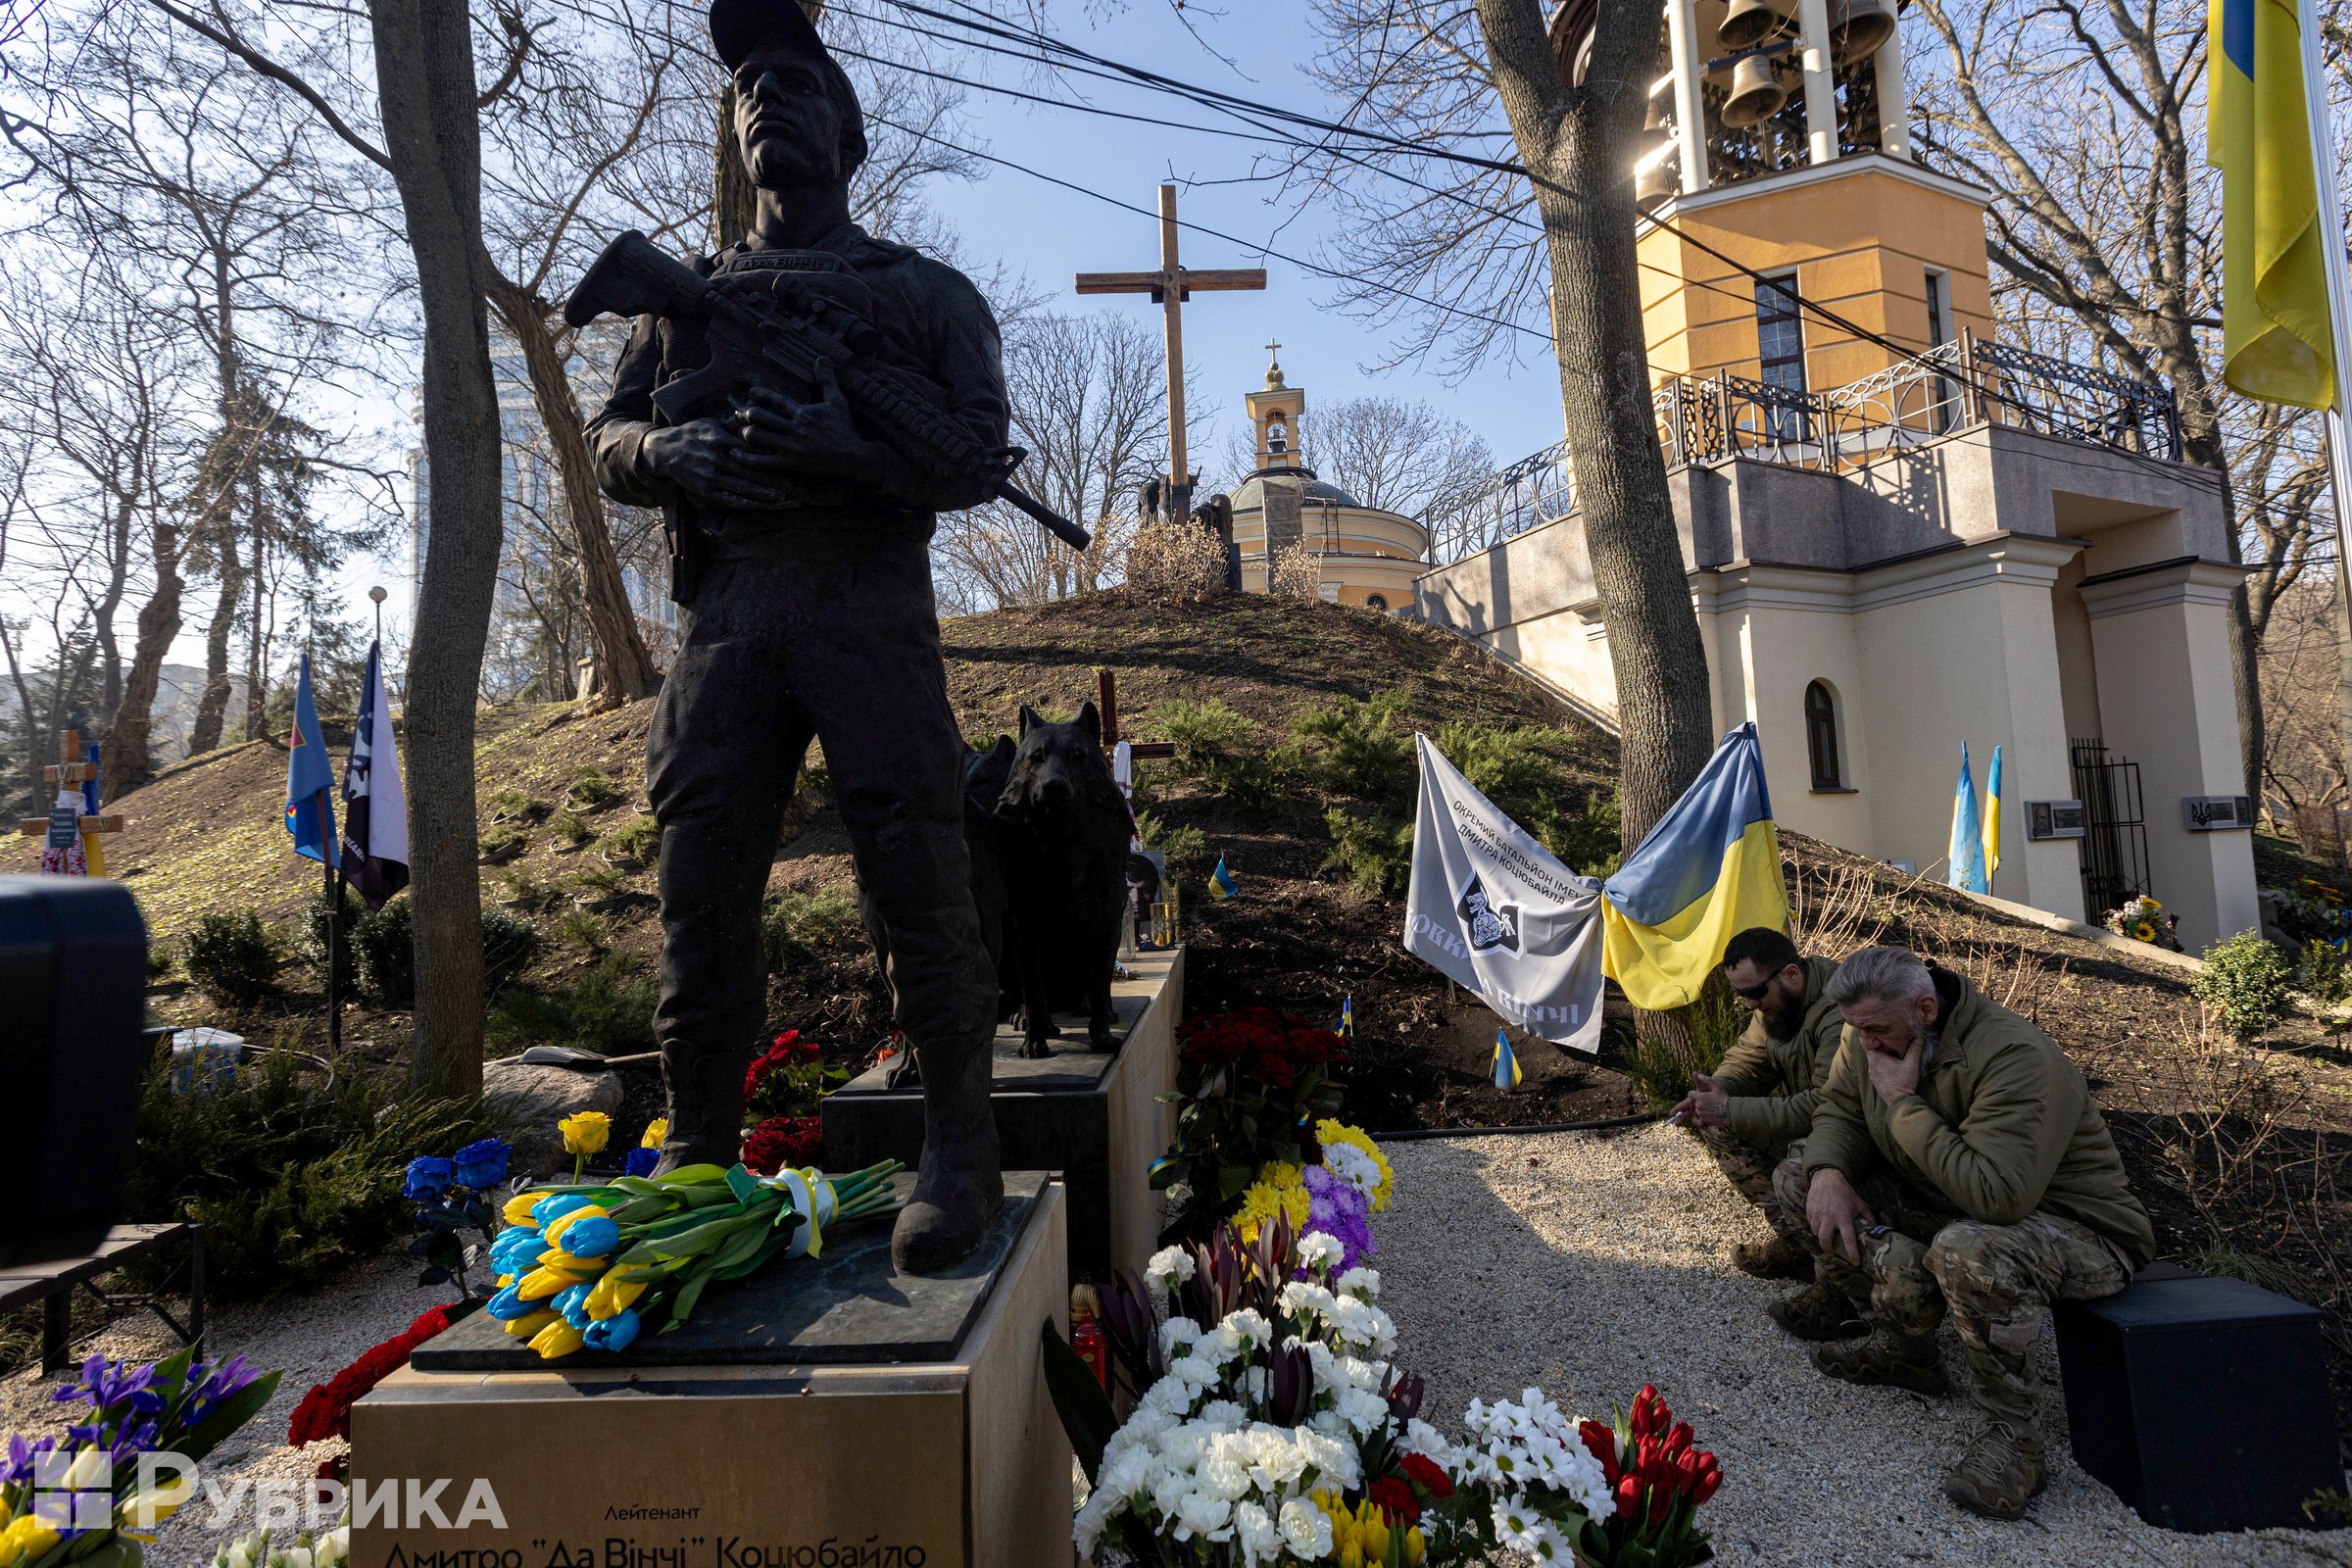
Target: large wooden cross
column 67, row 772
column 1170, row 287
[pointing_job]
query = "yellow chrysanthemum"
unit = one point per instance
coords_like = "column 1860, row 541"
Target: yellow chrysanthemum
column 1259, row 1203
column 1331, row 1131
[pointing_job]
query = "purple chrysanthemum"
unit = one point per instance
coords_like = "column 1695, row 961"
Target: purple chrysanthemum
column 1340, row 1212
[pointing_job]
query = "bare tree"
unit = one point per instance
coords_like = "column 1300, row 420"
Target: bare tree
column 2303, row 759
column 2082, row 117
column 1089, row 406
column 1467, row 259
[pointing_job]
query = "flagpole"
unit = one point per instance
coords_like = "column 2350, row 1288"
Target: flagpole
column 331, row 863
column 2336, row 422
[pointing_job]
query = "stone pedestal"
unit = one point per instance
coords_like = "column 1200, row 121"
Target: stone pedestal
column 827, row 1411
column 1094, row 1117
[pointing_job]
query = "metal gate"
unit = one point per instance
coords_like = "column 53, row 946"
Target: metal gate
column 2115, row 843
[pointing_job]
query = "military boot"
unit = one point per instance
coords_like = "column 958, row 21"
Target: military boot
column 1819, row 1312
column 1776, row 1260
column 1886, row 1359
column 958, row 1189
column 2001, row 1472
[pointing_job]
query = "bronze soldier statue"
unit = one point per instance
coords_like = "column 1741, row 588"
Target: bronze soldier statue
column 800, row 527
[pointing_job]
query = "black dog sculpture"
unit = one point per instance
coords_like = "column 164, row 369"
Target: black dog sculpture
column 984, row 777
column 1064, row 830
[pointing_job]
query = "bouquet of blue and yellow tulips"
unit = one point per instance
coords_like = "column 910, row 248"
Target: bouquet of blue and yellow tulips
column 588, row 1265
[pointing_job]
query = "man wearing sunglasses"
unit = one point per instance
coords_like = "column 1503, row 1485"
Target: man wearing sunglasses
column 1758, row 1105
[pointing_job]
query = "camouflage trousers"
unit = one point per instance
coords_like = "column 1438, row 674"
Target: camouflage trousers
column 1749, row 1168
column 1920, row 1257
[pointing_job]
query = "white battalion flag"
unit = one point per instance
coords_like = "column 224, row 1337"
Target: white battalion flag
column 1499, row 914
column 375, row 809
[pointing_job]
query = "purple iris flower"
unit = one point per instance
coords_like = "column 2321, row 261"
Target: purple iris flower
column 107, row 1384
column 22, row 1457
column 210, row 1383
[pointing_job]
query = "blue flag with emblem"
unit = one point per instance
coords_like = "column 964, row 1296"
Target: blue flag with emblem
column 310, row 778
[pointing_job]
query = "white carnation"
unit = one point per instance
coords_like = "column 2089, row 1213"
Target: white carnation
column 1177, row 1334
column 1254, row 1531
column 1169, row 1267
column 1251, row 1324
column 1319, row 1250
column 1360, row 1282
column 1306, row 1530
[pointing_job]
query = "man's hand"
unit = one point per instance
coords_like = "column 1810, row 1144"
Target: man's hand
column 1894, row 1077
column 1705, row 1106
column 1835, row 1210
column 711, row 463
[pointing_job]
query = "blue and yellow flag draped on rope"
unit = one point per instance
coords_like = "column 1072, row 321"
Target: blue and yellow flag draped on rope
column 1710, row 870
column 309, row 776
column 1967, row 849
column 1992, row 818
column 2277, row 342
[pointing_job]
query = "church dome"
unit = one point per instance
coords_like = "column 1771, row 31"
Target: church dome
column 1250, row 495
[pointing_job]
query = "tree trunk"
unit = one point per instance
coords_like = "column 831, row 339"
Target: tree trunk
column 102, row 614
column 432, row 133
column 2201, row 443
column 623, row 669
column 734, row 199
column 1580, row 142
column 127, row 758
column 257, row 642
column 212, row 707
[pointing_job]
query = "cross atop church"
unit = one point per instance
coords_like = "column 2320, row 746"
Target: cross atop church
column 1170, row 287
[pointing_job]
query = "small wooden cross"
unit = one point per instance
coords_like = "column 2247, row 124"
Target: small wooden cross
column 71, row 770
column 1170, row 287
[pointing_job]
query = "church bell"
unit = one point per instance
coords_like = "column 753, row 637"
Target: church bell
column 1859, row 29
column 1749, row 24
column 1656, row 178
column 1756, row 92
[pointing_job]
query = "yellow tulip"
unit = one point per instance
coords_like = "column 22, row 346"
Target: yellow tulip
column 555, row 1232
column 1414, row 1546
column 559, row 1339
column 1351, row 1555
column 541, row 1283
column 655, row 1132
column 530, row 1323
column 585, row 1132
column 25, row 1538
column 609, row 1295
column 519, row 1208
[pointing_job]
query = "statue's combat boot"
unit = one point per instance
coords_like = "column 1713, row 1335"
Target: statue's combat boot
column 706, row 1106
column 960, row 1185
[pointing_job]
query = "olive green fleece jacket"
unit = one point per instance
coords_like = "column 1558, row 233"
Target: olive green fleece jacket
column 1774, row 1084
column 2002, row 1125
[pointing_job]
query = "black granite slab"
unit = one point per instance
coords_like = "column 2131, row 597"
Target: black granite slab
column 849, row 1307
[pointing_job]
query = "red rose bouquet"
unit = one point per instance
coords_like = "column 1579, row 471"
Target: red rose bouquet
column 1251, row 1086
column 788, row 1079
column 781, row 1141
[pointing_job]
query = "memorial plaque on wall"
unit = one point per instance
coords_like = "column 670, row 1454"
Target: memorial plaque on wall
column 2055, row 819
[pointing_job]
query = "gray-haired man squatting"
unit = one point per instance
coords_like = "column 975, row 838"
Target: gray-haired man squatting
column 1956, row 1162
column 802, row 551
column 1756, row 1108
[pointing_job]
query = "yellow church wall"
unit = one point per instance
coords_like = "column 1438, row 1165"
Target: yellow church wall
column 1861, row 236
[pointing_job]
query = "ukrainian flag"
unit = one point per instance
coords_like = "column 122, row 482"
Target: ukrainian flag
column 1967, row 849
column 1992, row 818
column 2277, row 341
column 1220, row 881
column 1710, row 870
column 1507, row 1063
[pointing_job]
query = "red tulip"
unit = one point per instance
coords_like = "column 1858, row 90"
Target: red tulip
column 1679, row 1439
column 1708, row 1481
column 1629, row 1494
column 1661, row 1503
column 1602, row 1442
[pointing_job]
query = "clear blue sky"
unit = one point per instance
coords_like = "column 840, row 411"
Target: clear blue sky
column 1051, row 234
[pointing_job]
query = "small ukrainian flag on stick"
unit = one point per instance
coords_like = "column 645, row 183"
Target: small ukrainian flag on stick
column 1220, row 881
column 1346, row 1029
column 1506, row 1061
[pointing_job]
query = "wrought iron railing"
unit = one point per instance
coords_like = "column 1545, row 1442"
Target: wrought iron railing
column 1972, row 381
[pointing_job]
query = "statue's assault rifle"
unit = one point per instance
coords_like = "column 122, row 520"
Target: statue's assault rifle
column 760, row 340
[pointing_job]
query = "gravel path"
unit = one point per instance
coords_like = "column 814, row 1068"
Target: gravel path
column 1591, row 1264
column 313, row 1337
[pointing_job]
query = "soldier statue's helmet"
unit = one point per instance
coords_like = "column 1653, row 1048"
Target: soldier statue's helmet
column 740, row 26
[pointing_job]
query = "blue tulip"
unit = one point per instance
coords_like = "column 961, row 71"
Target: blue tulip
column 641, row 1161
column 572, row 1302
column 556, row 1205
column 613, row 1333
column 428, row 1177
column 508, row 1304
column 482, row 1164
column 592, row 1237
column 516, row 1250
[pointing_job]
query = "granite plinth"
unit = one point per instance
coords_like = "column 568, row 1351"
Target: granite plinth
column 1094, row 1117
column 847, row 1305
column 752, row 1459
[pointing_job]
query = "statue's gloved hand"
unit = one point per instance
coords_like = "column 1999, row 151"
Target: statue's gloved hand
column 818, row 436
column 712, row 463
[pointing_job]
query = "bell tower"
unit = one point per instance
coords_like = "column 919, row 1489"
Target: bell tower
column 1278, row 419
column 1778, row 139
